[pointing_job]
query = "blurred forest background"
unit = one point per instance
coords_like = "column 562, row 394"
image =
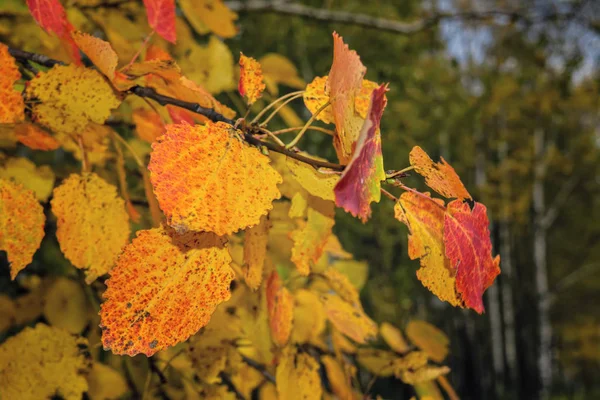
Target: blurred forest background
column 508, row 93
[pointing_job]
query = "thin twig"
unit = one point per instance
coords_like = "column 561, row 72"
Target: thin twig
column 272, row 104
column 389, row 195
column 279, row 107
column 307, row 125
column 229, row 383
column 259, row 367
column 311, row 128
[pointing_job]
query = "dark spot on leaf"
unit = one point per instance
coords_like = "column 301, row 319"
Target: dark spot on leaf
column 153, row 344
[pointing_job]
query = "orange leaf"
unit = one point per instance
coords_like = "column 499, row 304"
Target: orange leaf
column 251, row 84
column 344, row 81
column 348, row 319
column 441, row 177
column 163, row 289
column 468, row 246
column 21, row 225
column 35, row 137
column 255, row 251
column 161, row 17
column 207, row 179
column 92, row 224
column 425, row 219
column 280, row 305
column 99, row 52
column 360, row 184
column 148, row 124
column 12, row 107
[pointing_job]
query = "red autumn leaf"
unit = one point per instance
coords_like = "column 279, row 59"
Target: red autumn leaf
column 51, row 16
column 468, row 246
column 344, row 81
column 361, row 181
column 161, row 17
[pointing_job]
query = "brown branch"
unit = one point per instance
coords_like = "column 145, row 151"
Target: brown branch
column 259, row 367
column 384, row 24
column 150, row 93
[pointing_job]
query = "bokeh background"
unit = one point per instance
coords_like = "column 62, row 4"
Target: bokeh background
column 508, row 93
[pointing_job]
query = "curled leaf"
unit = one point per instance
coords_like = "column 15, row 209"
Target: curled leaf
column 163, row 289
column 207, row 179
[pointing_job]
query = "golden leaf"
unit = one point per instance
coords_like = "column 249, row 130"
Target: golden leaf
column 424, row 374
column 95, row 139
column 43, row 362
column 393, row 337
column 66, row 98
column 426, row 223
column 316, row 183
column 39, row 179
column 152, row 304
column 148, row 124
column 386, row 363
column 207, row 179
column 342, row 286
column 106, row 383
column 350, row 320
column 12, row 107
column 309, row 317
column 299, row 205
column 297, row 376
column 251, row 84
column 21, row 225
column 210, row 16
column 441, row 177
column 340, row 384
column 92, row 224
column 66, row 306
column 428, row 338
column 278, row 69
column 280, row 305
column 310, row 238
column 99, row 52
column 255, row 251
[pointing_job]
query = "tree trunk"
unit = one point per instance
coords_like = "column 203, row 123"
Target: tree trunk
column 541, row 268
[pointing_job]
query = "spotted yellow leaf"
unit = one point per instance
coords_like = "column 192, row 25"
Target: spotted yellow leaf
column 297, row 376
column 39, row 179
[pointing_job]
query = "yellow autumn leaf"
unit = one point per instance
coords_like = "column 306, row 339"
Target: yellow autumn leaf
column 428, row 338
column 92, row 224
column 251, row 84
column 151, row 304
column 99, row 52
column 278, row 69
column 207, row 179
column 393, row 337
column 299, row 205
column 387, row 363
column 348, row 319
column 309, row 317
column 95, row 139
column 43, row 362
column 297, row 376
column 39, row 179
column 341, row 386
column 66, row 306
column 310, row 238
column 21, row 225
column 316, row 183
column 424, row 374
column 342, row 286
column 106, row 383
column 210, row 16
column 66, row 98
column 255, row 251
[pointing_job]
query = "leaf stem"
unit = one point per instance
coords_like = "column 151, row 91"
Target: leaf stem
column 414, row 191
column 274, row 113
column 307, row 125
column 397, row 173
column 389, row 195
column 273, row 103
column 297, row 128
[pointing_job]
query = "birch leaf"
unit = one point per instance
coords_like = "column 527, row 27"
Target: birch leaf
column 280, row 305
column 39, row 179
column 210, row 16
column 297, row 376
column 255, row 252
column 309, row 317
column 468, row 246
column 441, row 177
column 21, row 225
column 277, row 69
column 251, row 83
column 428, row 338
column 163, row 289
column 316, row 183
column 207, row 179
column 99, row 52
column 12, row 107
column 349, row 319
column 92, row 223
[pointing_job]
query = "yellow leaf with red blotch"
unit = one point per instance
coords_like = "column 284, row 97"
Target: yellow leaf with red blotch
column 297, row 376
column 280, row 305
column 12, row 107
column 148, row 124
column 35, row 137
column 425, row 217
column 393, row 337
column 348, row 319
column 251, row 83
column 342, row 286
column 39, row 179
column 66, row 306
column 311, row 237
column 428, row 338
column 58, row 361
column 343, row 83
column 316, row 183
column 99, row 52
column 309, row 317
column 255, row 251
column 206, row 178
column 163, row 289
column 341, row 385
column 66, row 98
column 92, row 224
column 315, row 96
column 278, row 69
column 210, row 16
column 441, row 177
column 425, row 374
column 469, row 249
column 21, row 225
